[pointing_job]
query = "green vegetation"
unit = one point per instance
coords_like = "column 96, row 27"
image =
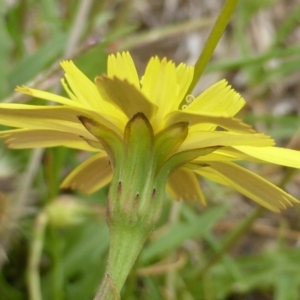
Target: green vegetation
column 230, row 249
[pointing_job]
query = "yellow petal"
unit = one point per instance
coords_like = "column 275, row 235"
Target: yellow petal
column 91, row 175
column 203, row 121
column 220, row 98
column 249, row 184
column 54, row 118
column 122, row 66
column 86, row 93
column 84, row 89
column 102, row 107
column 204, row 139
column 47, row 96
column 125, row 96
column 41, row 117
column 274, row 155
column 228, row 154
column 184, row 78
column 39, row 138
column 70, row 93
column 208, row 172
column 223, row 154
column 159, row 85
column 183, row 184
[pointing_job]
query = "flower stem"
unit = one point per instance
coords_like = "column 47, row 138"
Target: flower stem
column 212, row 41
column 125, row 245
column 33, row 276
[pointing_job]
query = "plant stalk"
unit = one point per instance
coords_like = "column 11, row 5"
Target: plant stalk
column 212, row 41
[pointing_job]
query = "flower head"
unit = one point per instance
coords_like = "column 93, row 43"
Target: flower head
column 186, row 135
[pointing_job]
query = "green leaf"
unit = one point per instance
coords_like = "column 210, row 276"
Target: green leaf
column 32, row 65
column 180, row 232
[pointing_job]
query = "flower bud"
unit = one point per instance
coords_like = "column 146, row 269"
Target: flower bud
column 67, row 210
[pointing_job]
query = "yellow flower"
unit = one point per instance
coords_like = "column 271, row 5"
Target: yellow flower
column 202, row 135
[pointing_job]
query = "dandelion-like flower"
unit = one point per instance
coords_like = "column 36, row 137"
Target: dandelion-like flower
column 145, row 131
column 147, row 135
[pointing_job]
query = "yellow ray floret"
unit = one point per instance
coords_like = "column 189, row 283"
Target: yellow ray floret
column 248, row 184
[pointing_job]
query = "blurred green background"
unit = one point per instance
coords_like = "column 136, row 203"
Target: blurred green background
column 230, row 249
